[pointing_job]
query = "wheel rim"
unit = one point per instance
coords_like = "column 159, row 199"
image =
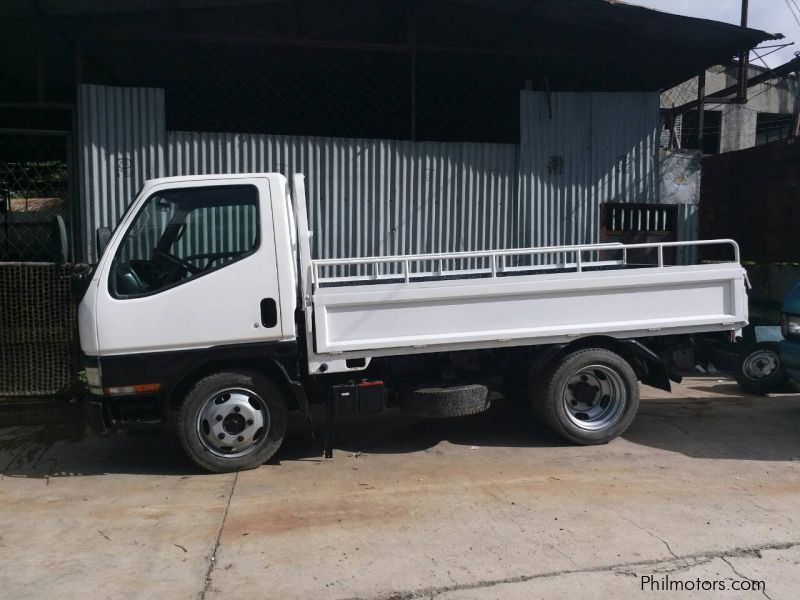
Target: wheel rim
column 233, row 423
column 595, row 397
column 761, row 365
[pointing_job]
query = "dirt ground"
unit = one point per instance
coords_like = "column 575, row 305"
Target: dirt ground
column 703, row 490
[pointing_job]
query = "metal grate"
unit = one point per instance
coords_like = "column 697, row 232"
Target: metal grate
column 37, row 329
column 640, row 218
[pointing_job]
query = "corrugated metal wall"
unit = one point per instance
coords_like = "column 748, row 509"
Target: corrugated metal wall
column 375, row 197
column 121, row 139
column 578, row 151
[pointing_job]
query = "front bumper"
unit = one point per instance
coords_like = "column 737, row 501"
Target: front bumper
column 124, row 412
column 790, row 357
column 118, row 406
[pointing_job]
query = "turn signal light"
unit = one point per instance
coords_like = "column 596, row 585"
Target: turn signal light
column 129, row 390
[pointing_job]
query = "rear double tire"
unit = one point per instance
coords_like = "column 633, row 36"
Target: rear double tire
column 589, row 397
column 232, row 421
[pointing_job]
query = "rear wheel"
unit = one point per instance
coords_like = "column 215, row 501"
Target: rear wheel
column 590, row 397
column 232, row 421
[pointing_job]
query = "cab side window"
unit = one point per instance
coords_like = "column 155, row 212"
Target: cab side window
column 181, row 234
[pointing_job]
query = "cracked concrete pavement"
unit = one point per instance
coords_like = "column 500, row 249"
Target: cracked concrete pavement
column 705, row 485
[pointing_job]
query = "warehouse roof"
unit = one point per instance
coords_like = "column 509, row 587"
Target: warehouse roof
column 440, row 70
column 623, row 46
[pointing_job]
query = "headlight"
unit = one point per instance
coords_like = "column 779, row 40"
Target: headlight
column 791, row 326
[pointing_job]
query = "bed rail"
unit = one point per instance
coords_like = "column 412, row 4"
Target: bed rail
column 496, row 263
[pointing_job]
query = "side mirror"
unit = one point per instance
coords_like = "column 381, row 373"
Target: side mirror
column 81, row 277
column 101, row 237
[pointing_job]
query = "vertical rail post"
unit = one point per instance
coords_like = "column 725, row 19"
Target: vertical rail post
column 660, row 255
column 579, row 260
column 406, row 275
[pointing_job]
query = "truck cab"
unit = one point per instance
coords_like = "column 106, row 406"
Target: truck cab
column 205, row 262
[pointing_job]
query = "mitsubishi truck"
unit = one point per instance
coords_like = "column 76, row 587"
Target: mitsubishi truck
column 207, row 315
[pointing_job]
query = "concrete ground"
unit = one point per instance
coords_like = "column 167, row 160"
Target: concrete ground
column 703, row 490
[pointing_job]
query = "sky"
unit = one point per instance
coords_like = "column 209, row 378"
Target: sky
column 773, row 16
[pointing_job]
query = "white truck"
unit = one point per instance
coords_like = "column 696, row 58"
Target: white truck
column 206, row 310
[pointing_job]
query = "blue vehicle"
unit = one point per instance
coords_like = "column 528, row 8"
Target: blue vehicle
column 790, row 323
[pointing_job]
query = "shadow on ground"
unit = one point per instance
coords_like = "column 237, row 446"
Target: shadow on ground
column 729, row 426
column 722, row 425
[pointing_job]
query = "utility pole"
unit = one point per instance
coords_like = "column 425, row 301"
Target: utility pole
column 744, row 59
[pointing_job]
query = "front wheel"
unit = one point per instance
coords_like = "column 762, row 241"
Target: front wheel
column 590, row 397
column 232, row 421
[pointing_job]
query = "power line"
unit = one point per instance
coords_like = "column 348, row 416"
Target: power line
column 792, row 6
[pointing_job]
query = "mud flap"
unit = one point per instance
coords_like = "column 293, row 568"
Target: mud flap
column 299, row 394
column 658, row 375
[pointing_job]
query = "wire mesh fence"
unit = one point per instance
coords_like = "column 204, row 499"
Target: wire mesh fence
column 680, row 95
column 672, row 133
column 34, row 195
column 331, row 92
column 37, row 329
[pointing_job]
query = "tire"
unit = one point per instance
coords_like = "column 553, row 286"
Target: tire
column 759, row 369
column 444, row 402
column 589, row 397
column 232, row 421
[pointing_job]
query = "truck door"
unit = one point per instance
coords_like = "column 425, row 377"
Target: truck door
column 193, row 266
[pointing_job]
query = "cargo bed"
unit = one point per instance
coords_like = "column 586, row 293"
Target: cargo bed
column 414, row 303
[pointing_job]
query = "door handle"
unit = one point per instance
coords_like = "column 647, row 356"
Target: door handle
column 269, row 313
